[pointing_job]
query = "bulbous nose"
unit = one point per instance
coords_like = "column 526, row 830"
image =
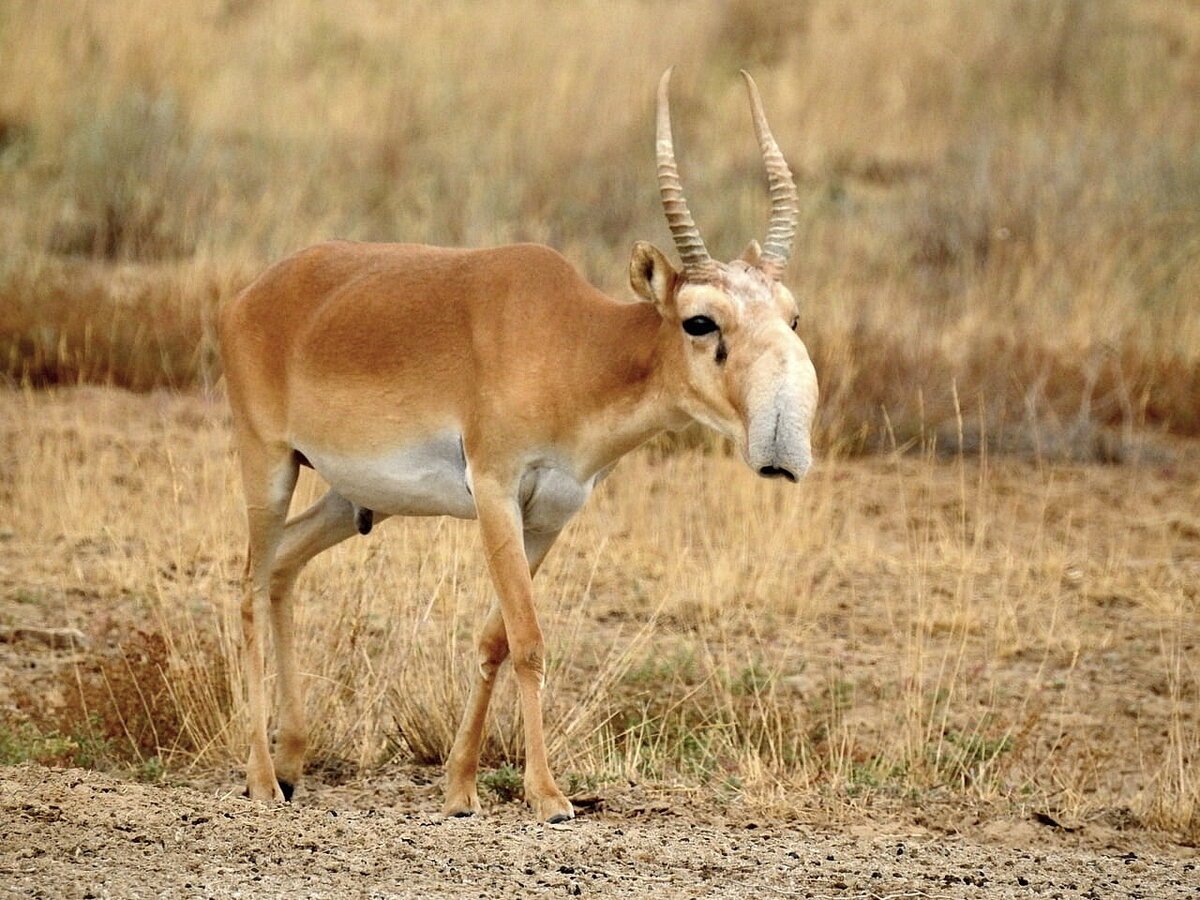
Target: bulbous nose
column 777, row 472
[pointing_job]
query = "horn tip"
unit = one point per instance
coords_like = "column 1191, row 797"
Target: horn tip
column 750, row 84
column 664, row 87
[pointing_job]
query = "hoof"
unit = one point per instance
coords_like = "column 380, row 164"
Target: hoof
column 461, row 807
column 553, row 809
column 270, row 794
column 288, row 789
column 277, row 799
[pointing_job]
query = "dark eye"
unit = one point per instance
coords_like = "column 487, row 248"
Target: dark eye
column 795, row 322
column 699, row 325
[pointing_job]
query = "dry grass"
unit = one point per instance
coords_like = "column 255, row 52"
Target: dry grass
column 903, row 630
column 998, row 197
column 1000, row 240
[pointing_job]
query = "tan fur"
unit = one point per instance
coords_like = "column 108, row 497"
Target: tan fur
column 351, row 352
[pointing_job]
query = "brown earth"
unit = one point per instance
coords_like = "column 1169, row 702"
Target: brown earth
column 75, row 833
column 991, row 665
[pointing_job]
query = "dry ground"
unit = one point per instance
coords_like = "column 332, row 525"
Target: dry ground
column 72, row 833
column 990, row 662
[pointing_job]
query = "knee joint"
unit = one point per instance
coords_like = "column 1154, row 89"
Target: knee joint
column 492, row 652
column 281, row 583
column 530, row 659
column 493, row 649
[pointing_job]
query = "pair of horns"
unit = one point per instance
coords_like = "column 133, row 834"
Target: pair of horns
column 785, row 205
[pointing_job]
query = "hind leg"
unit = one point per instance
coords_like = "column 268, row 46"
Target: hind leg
column 327, row 522
column 462, row 766
column 268, row 479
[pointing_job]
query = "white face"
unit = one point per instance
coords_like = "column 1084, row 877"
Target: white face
column 747, row 373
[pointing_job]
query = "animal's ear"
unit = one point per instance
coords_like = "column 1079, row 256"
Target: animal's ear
column 651, row 276
column 752, row 254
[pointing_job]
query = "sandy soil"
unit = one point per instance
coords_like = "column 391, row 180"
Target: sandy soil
column 1069, row 618
column 74, row 833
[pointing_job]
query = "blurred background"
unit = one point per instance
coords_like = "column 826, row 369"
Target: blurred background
column 999, row 248
column 1001, row 200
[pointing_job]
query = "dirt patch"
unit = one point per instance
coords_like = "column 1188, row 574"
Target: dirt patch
column 958, row 646
column 75, row 833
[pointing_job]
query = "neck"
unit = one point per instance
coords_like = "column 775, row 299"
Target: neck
column 620, row 379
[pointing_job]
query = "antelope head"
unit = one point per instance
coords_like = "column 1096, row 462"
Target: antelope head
column 728, row 344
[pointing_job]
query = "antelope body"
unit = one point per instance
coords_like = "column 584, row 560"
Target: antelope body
column 498, row 385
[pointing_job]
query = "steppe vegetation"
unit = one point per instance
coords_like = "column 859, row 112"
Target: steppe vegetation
column 896, row 630
column 999, row 263
column 998, row 196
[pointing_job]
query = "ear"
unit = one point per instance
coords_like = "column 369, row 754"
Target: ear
column 752, row 254
column 650, row 275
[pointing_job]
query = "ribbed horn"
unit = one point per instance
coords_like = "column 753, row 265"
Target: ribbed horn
column 696, row 261
column 785, row 201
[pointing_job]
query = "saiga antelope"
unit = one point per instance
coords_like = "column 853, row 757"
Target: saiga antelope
column 498, row 385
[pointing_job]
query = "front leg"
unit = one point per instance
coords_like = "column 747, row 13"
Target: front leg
column 462, row 767
column 500, row 523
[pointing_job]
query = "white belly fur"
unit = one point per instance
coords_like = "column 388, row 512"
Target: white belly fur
column 433, row 479
column 426, row 479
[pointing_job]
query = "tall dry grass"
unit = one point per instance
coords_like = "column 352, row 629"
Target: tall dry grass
column 1000, row 198
column 984, row 635
column 1000, row 237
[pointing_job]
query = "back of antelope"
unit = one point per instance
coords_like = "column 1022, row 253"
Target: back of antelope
column 496, row 385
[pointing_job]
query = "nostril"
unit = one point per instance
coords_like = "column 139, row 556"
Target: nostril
column 776, row 472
